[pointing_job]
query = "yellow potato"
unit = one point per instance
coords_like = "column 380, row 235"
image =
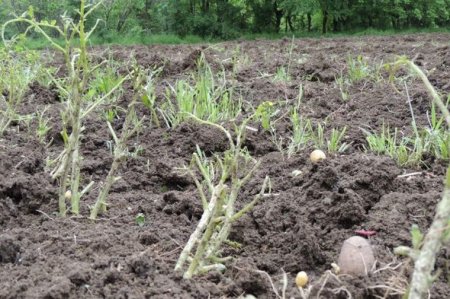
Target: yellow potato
column 301, row 279
column 317, row 155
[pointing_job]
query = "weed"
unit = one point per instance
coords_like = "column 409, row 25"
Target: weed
column 104, row 79
column 264, row 113
column 357, row 69
column 43, row 126
column 300, row 134
column 433, row 141
column 140, row 219
column 239, row 60
column 149, row 96
column 405, row 151
column 281, row 75
column 110, row 115
column 317, row 135
column 305, row 134
column 205, row 100
column 335, row 143
column 343, row 87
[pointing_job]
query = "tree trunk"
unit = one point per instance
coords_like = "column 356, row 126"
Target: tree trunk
column 278, row 16
column 289, row 22
column 335, row 25
column 324, row 21
column 308, row 16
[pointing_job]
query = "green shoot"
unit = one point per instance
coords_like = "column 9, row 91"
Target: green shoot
column 334, row 143
column 110, row 115
column 205, row 100
column 140, row 219
column 281, row 75
column 264, row 113
column 357, row 69
column 104, row 79
column 416, row 236
column 343, row 87
column 149, row 96
column 405, row 151
column 317, row 135
column 300, row 134
column 305, row 134
column 43, row 126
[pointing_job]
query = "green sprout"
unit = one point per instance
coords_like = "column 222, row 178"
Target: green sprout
column 205, row 99
column 264, row 113
column 335, row 143
column 149, row 96
column 110, row 115
column 43, row 126
column 358, row 69
column 140, row 219
column 281, row 75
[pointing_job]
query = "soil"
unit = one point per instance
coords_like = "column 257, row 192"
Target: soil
column 300, row 227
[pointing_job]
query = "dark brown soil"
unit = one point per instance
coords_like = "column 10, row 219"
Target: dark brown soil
column 301, row 227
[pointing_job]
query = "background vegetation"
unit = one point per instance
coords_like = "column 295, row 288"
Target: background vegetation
column 226, row 19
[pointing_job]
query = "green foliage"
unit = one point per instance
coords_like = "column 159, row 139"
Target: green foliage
column 149, row 95
column 306, row 134
column 119, row 147
column 410, row 151
column 335, row 143
column 204, row 99
column 43, row 126
column 140, row 219
column 358, row 69
column 17, row 71
column 405, row 151
column 281, row 75
column 226, row 19
column 264, row 113
column 104, row 79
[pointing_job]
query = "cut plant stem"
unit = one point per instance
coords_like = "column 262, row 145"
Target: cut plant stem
column 219, row 211
column 425, row 261
column 130, row 127
column 79, row 70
